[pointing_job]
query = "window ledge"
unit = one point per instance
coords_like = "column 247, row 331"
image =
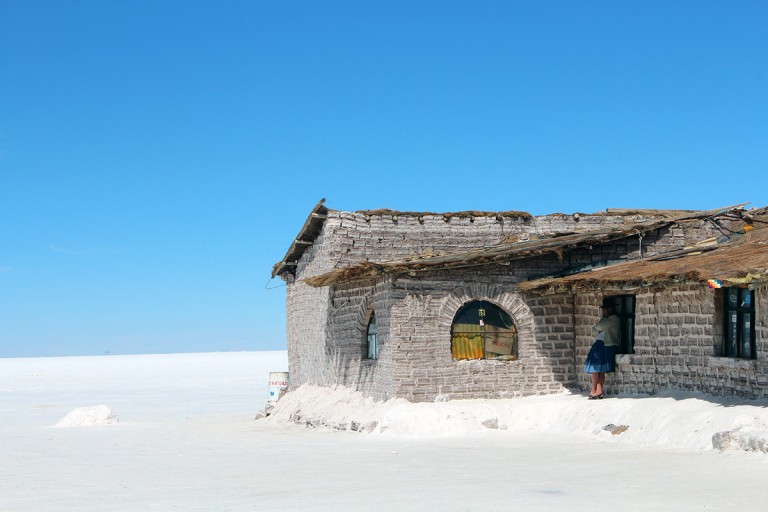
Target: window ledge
column 485, row 362
column 732, row 362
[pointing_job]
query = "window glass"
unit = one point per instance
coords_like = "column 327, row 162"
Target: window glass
column 624, row 307
column 746, row 298
column 739, row 313
column 482, row 330
column 629, row 334
column 731, row 329
column 373, row 348
column 746, row 337
column 733, row 297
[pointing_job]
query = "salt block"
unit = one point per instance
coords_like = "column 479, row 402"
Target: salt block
column 615, row 429
column 88, row 417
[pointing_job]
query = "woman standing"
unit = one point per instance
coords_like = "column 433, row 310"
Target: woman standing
column 602, row 356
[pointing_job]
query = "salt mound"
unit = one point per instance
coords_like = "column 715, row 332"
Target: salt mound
column 89, row 417
column 677, row 420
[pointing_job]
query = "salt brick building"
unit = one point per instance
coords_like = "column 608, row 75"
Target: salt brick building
column 428, row 306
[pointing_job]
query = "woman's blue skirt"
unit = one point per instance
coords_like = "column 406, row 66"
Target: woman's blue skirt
column 601, row 358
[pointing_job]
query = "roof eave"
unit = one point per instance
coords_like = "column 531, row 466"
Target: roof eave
column 303, row 241
column 507, row 252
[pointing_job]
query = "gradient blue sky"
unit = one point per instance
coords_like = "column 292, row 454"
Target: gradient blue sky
column 158, row 157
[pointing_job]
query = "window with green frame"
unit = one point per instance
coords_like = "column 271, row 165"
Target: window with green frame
column 739, row 323
column 482, row 330
column 624, row 308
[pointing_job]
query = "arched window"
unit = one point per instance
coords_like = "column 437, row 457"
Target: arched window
column 373, row 346
column 482, row 330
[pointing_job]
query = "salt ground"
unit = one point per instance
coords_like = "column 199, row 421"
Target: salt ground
column 177, row 433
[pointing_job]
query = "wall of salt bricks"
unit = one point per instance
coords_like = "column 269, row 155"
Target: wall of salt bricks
column 350, row 313
column 349, row 238
column 326, row 326
column 425, row 369
column 678, row 345
column 354, row 237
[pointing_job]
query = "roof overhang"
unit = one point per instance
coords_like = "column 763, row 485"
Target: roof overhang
column 504, row 253
column 304, row 240
column 738, row 261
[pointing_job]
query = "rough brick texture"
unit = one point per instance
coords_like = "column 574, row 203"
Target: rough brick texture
column 678, row 345
column 677, row 336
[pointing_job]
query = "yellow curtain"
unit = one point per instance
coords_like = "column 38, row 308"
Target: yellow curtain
column 467, row 341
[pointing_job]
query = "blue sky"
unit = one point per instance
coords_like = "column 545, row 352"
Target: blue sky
column 158, row 157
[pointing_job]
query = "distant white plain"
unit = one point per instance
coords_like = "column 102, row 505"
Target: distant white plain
column 186, row 440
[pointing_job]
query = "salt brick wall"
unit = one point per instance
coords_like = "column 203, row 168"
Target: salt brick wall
column 425, row 368
column 316, row 351
column 678, row 342
column 347, row 339
column 326, row 326
column 348, row 237
column 415, row 359
column 307, row 312
column 308, row 361
column 354, row 237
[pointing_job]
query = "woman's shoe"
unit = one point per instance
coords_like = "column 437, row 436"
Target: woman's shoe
column 599, row 397
column 592, row 397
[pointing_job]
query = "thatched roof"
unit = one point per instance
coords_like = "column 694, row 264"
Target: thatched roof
column 515, row 214
column 314, row 225
column 304, row 240
column 505, row 252
column 742, row 259
column 448, row 215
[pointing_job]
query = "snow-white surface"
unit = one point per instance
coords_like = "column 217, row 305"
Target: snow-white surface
column 676, row 419
column 187, row 440
column 94, row 416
